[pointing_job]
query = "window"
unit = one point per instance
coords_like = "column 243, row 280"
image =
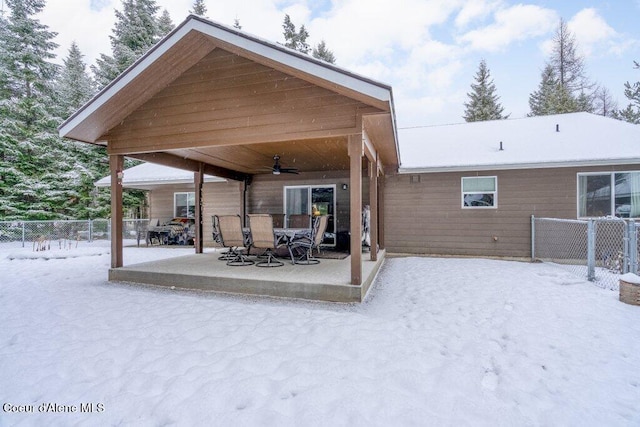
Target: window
column 609, row 194
column 480, row 192
column 184, row 205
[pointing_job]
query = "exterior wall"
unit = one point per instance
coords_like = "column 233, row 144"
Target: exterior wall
column 161, row 200
column 426, row 217
column 219, row 198
column 266, row 193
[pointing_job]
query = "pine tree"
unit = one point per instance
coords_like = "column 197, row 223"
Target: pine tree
column 296, row 40
column 321, row 52
column 483, row 102
column 165, row 24
column 135, row 31
column 631, row 113
column 38, row 172
column 553, row 98
column 199, row 8
column 74, row 86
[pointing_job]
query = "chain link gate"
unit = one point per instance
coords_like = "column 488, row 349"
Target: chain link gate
column 598, row 249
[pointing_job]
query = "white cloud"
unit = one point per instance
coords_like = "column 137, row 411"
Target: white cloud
column 590, row 30
column 515, row 23
column 476, row 9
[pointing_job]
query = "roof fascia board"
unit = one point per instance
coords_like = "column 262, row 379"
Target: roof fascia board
column 510, row 166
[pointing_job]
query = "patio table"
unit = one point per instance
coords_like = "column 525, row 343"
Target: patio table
column 283, row 235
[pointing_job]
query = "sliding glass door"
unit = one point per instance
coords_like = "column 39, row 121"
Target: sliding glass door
column 313, row 200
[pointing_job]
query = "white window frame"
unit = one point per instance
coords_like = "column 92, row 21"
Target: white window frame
column 463, row 193
column 612, row 175
column 175, row 196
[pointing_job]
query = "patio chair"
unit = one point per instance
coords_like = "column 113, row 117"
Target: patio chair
column 312, row 242
column 299, row 221
column 263, row 237
column 227, row 255
column 231, row 236
column 152, row 232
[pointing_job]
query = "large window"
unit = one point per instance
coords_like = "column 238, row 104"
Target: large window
column 184, row 205
column 609, row 194
column 480, row 192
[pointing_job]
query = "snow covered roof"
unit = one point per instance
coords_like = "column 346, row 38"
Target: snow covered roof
column 149, row 175
column 560, row 140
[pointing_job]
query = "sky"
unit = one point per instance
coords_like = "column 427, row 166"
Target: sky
column 427, row 50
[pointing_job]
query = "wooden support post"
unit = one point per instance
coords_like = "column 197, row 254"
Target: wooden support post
column 198, row 179
column 373, row 205
column 116, row 166
column 243, row 203
column 381, row 212
column 355, row 205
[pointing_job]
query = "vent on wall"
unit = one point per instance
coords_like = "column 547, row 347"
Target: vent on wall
column 414, row 179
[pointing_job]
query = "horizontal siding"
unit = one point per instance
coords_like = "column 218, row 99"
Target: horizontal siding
column 426, row 217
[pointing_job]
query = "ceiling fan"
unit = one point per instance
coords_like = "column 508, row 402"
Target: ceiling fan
column 277, row 169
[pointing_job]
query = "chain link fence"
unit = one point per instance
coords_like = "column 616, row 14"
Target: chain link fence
column 598, row 249
column 34, row 232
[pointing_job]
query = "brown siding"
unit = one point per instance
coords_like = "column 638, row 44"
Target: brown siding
column 218, row 198
column 266, row 193
column 426, row 217
column 226, row 99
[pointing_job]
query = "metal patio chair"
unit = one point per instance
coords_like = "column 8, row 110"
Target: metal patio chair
column 312, row 242
column 231, row 236
column 263, row 237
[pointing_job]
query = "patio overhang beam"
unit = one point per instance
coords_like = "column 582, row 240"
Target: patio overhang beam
column 170, row 160
column 128, row 144
column 370, row 152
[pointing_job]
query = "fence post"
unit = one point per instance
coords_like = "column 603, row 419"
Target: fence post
column 533, row 238
column 625, row 248
column 633, row 248
column 23, row 234
column 591, row 250
column 90, row 230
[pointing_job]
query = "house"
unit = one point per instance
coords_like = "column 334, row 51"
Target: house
column 216, row 101
column 212, row 100
column 471, row 188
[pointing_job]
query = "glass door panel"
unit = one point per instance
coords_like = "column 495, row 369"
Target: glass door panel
column 323, row 203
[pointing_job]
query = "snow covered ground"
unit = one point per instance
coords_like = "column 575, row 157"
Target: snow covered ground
column 438, row 342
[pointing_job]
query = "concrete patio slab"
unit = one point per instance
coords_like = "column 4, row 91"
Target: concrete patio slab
column 327, row 281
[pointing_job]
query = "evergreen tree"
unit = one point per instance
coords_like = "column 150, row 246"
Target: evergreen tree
column 483, row 102
column 74, row 86
column 553, row 98
column 296, row 40
column 135, row 31
column 631, row 113
column 165, row 24
column 37, row 171
column 321, row 52
column 199, row 8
